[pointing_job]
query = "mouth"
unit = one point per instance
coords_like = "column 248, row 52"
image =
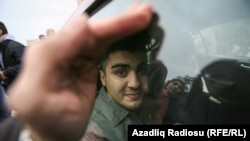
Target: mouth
column 133, row 96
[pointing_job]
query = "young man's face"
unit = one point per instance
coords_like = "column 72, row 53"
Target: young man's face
column 125, row 78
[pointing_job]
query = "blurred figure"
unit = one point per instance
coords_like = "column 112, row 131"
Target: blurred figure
column 153, row 101
column 11, row 57
column 175, row 87
column 11, row 53
column 172, row 102
column 226, row 98
column 177, row 100
column 41, row 37
column 50, row 32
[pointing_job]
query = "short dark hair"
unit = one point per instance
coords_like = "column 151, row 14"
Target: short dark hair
column 3, row 27
column 133, row 43
column 140, row 41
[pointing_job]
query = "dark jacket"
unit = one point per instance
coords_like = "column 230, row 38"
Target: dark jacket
column 12, row 52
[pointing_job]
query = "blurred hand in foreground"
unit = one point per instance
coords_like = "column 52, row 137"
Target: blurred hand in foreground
column 55, row 91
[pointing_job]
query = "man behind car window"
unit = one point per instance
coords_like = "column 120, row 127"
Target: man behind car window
column 123, row 73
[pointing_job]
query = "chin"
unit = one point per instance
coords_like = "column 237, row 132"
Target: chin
column 133, row 105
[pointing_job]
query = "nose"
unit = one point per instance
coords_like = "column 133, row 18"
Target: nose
column 133, row 80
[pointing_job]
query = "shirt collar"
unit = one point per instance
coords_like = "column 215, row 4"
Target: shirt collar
column 113, row 111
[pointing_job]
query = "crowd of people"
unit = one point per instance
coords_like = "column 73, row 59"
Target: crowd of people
column 49, row 32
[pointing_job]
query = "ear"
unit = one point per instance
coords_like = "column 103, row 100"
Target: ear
column 102, row 77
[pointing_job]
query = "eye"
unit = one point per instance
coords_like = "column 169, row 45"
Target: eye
column 121, row 72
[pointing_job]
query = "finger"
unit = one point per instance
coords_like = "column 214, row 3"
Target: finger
column 133, row 20
column 134, row 6
column 69, row 39
column 109, row 29
column 78, row 32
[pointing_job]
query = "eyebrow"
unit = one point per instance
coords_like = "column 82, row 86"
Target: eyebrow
column 122, row 65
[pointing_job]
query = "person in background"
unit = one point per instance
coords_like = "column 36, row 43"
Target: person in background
column 154, row 100
column 55, row 102
column 175, row 86
column 11, row 57
column 176, row 100
column 171, row 102
column 41, row 37
column 11, row 53
column 50, row 32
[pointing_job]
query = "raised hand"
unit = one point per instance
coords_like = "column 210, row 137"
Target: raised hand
column 55, row 90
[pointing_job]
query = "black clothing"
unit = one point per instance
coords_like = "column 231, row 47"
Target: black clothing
column 12, row 52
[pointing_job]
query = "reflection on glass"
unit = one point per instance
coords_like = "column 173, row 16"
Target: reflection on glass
column 227, row 39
